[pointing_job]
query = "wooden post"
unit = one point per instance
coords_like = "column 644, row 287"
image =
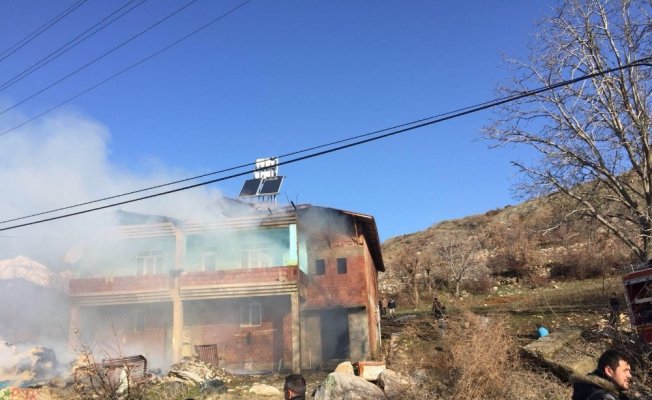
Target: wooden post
column 177, row 317
column 296, row 333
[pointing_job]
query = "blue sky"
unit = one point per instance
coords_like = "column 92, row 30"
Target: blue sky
column 278, row 76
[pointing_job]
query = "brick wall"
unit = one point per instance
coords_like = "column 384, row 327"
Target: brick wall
column 218, row 322
column 200, row 278
column 333, row 289
column 234, row 276
column 112, row 329
column 119, row 284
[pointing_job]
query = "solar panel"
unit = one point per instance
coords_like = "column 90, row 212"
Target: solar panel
column 271, row 186
column 250, row 187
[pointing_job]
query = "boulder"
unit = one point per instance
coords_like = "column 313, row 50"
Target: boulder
column 566, row 352
column 191, row 372
column 345, row 368
column 261, row 389
column 393, row 384
column 340, row 386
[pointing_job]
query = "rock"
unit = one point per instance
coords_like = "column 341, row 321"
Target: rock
column 339, row 386
column 172, row 389
column 566, row 352
column 393, row 384
column 261, row 389
column 345, row 368
column 212, row 389
column 405, row 318
column 191, row 372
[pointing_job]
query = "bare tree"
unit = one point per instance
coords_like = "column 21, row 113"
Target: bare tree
column 456, row 258
column 406, row 264
column 593, row 136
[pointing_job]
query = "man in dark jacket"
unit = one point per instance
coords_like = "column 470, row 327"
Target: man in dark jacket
column 294, row 387
column 608, row 382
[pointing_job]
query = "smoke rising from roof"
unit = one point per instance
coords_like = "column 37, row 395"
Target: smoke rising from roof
column 64, row 160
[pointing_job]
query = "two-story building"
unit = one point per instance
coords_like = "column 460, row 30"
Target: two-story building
column 284, row 289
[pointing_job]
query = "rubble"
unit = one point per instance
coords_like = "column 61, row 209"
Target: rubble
column 191, row 372
column 33, row 366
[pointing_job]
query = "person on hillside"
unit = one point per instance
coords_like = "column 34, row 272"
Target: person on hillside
column 391, row 306
column 438, row 309
column 383, row 306
column 614, row 310
column 609, row 381
column 542, row 331
column 294, row 387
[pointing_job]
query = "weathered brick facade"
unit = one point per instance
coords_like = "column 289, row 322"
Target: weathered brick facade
column 259, row 315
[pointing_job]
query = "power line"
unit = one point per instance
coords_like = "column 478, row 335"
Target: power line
column 305, row 150
column 447, row 116
column 24, row 41
column 83, row 92
column 74, row 42
column 88, row 64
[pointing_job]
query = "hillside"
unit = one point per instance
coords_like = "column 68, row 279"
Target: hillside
column 534, row 240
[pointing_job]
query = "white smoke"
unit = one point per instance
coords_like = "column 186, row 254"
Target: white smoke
column 64, row 160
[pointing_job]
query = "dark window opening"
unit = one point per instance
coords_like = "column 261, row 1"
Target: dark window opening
column 341, row 265
column 320, row 267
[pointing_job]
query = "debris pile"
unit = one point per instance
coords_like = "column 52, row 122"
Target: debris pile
column 33, row 366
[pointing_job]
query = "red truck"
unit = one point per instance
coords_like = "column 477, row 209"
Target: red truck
column 638, row 293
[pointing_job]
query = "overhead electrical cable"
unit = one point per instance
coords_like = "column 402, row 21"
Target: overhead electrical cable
column 305, row 150
column 467, row 110
column 143, row 60
column 24, row 41
column 72, row 43
column 88, row 64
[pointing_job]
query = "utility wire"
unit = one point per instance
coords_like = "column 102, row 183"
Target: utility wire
column 24, row 41
column 305, row 150
column 83, row 92
column 467, row 110
column 74, row 42
column 149, row 28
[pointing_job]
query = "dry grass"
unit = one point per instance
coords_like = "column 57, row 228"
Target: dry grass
column 481, row 352
column 477, row 358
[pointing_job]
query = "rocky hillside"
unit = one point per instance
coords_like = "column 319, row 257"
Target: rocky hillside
column 537, row 238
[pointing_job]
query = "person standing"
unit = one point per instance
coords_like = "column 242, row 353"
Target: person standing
column 383, row 306
column 614, row 310
column 438, row 308
column 391, row 306
column 609, row 381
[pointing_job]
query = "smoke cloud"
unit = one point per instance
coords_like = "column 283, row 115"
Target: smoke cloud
column 64, row 160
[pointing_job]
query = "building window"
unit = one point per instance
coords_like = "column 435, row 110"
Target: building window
column 139, row 321
column 251, row 314
column 149, row 262
column 320, row 267
column 254, row 255
column 210, row 259
column 341, row 265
